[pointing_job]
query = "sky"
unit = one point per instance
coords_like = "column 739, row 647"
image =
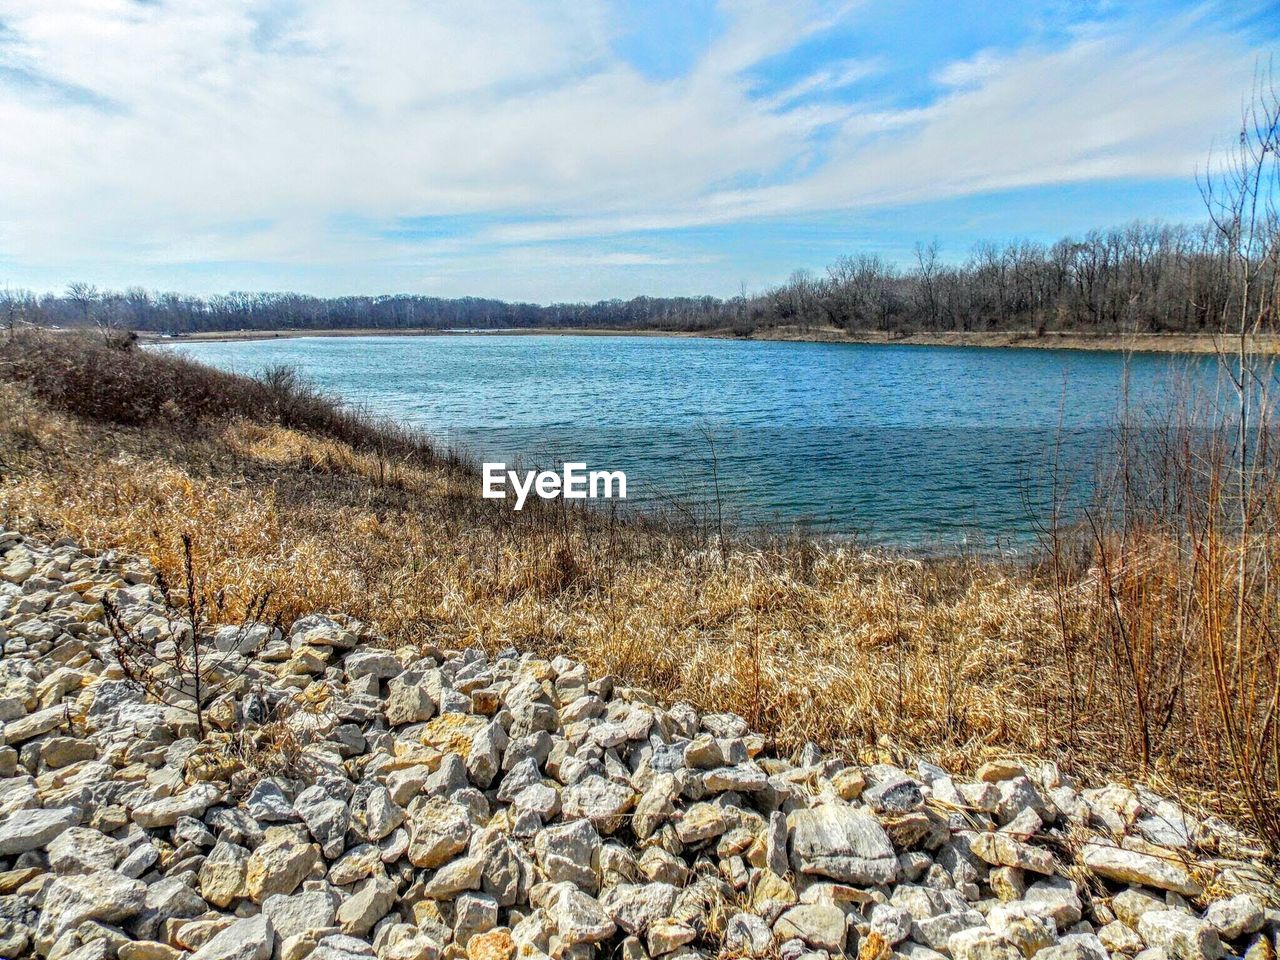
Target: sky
column 588, row 149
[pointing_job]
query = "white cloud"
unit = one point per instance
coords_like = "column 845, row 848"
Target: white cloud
column 248, row 130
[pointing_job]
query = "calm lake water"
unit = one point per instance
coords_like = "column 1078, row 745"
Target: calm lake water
column 905, row 445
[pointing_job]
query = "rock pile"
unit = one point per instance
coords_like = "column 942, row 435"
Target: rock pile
column 426, row 803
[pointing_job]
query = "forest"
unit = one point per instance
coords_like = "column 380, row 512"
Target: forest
column 1139, row 278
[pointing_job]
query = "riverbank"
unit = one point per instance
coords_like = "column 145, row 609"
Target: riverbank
column 1188, row 343
column 330, row 792
column 880, row 657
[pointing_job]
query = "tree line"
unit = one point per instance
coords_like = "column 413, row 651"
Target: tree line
column 1142, row 277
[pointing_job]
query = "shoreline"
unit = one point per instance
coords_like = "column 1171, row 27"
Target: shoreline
column 1181, row 343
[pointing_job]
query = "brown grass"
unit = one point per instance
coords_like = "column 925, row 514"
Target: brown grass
column 880, row 656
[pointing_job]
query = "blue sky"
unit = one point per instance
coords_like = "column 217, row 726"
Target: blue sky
column 541, row 150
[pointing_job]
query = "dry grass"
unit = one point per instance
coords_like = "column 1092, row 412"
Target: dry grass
column 880, row 656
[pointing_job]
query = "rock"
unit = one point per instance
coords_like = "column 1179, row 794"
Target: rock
column 103, row 895
column 634, row 907
column 842, row 843
column 996, row 770
column 438, row 830
column 1235, row 917
column 371, row 663
column 1002, row 850
column 247, row 939
column 667, row 936
column 820, row 925
column 359, row 913
column 494, row 945
column 25, row 830
column 601, row 801
column 701, row 822
column 1029, row 932
column 570, row 852
column 1057, row 899
column 1180, row 935
column 578, row 917
column 1118, row 937
column 147, row 950
column 34, row 724
column 978, row 943
column 454, row 878
column 223, row 874
column 84, row 850
column 326, row 817
column 892, row 924
column 473, row 913
column 1128, row 866
column 279, row 864
column 746, row 935
column 166, row 811
column 408, row 699
column 291, row 916
column 379, row 814
column 894, row 793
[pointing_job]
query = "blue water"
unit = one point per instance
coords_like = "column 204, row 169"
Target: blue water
column 903, row 445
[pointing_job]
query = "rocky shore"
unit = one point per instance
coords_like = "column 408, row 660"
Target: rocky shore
column 351, row 800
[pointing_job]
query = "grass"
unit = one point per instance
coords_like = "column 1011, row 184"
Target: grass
column 884, row 657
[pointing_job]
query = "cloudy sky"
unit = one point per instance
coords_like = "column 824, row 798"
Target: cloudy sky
column 541, row 150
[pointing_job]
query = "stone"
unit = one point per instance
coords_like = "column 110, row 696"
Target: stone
column 371, row 663
column 222, row 875
column 1235, row 917
column 746, row 935
column 634, row 907
column 842, row 843
column 379, row 814
column 978, row 943
column 147, row 950
column 409, row 699
column 1025, row 929
column 702, row 821
column 601, row 801
column 34, row 725
column 669, row 935
column 103, row 895
column 279, row 864
column 1002, row 850
column 326, row 817
column 1128, row 866
column 894, row 793
column 454, row 878
column 1056, row 898
column 820, row 925
column 84, row 850
column 166, row 811
column 570, row 853
column 25, row 830
column 247, row 939
column 892, row 923
column 1118, row 937
column 438, row 830
column 1180, row 935
column 359, row 913
column 578, row 917
column 494, row 945
column 293, row 915
column 473, row 913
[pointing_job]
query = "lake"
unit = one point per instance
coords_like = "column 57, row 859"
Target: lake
column 904, row 445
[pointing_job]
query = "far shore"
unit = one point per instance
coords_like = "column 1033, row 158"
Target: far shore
column 1190, row 343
